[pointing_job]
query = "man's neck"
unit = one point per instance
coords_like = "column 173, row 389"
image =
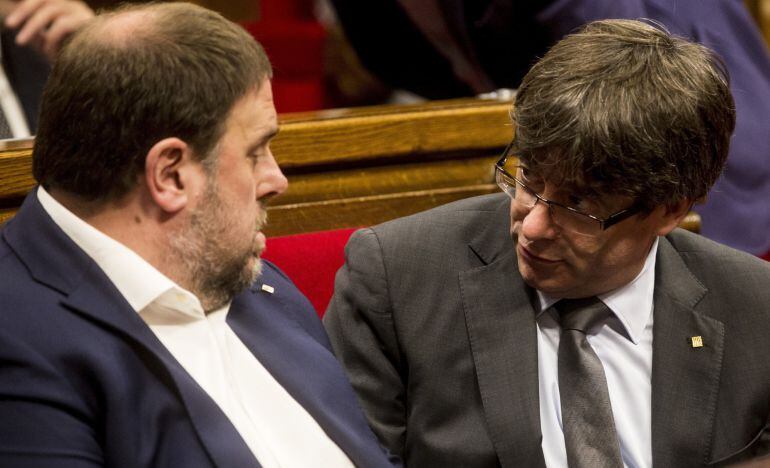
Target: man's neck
column 138, row 224
column 127, row 220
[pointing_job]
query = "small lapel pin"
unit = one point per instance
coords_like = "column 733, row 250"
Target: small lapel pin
column 270, row 290
column 696, row 341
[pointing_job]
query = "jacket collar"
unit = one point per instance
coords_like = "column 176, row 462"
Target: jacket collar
column 273, row 328
column 685, row 376
column 500, row 319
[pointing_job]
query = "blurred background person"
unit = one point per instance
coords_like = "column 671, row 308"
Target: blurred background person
column 31, row 35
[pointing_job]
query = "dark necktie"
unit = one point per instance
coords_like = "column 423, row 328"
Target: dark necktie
column 589, row 429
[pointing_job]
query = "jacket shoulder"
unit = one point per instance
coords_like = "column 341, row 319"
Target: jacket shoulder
column 735, row 280
column 462, row 218
column 704, row 254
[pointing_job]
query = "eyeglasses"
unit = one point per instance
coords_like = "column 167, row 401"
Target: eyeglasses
column 566, row 217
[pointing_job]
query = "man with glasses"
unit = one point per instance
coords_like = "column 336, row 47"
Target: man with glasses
column 568, row 322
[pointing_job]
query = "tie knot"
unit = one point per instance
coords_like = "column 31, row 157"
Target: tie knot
column 581, row 314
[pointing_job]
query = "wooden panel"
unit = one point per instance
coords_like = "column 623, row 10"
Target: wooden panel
column 763, row 17
column 342, row 137
column 691, row 222
column 7, row 213
column 15, row 169
column 370, row 210
column 384, row 180
column 362, row 211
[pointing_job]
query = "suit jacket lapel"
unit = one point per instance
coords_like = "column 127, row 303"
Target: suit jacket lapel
column 305, row 368
column 98, row 300
column 685, row 378
column 53, row 259
column 503, row 336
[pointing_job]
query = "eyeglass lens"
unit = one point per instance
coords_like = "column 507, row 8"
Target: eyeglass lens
column 561, row 216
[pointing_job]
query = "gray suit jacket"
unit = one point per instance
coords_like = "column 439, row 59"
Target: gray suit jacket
column 437, row 331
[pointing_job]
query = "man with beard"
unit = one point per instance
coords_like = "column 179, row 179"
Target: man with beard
column 138, row 326
column 602, row 336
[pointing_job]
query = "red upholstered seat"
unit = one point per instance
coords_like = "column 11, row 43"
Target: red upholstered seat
column 311, row 261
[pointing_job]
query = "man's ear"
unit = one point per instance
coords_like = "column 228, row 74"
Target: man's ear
column 172, row 174
column 673, row 214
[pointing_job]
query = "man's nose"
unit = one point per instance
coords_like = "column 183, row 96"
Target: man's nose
column 275, row 183
column 538, row 223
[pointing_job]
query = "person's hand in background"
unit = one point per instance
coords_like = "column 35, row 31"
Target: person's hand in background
column 44, row 24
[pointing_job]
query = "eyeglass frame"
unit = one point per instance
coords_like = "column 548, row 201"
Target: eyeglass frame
column 604, row 223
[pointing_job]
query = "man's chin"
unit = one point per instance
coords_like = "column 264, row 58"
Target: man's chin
column 541, row 281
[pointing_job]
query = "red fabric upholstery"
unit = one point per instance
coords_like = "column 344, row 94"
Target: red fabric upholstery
column 765, row 256
column 311, row 261
column 296, row 49
column 296, row 95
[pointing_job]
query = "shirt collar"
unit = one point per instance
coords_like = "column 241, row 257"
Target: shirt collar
column 140, row 283
column 632, row 303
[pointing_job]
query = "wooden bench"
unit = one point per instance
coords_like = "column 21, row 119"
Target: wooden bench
column 357, row 167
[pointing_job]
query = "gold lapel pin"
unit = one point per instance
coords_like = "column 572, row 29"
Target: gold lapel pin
column 270, row 290
column 697, row 341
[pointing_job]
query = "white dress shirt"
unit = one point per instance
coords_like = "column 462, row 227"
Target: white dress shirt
column 277, row 429
column 624, row 346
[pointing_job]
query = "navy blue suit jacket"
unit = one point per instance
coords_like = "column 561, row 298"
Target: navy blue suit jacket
column 85, row 382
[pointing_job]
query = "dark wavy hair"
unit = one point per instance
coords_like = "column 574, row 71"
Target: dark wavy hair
column 623, row 107
column 175, row 71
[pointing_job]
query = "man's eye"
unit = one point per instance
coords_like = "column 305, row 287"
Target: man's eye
column 581, row 203
column 527, row 175
column 260, row 152
column 531, row 180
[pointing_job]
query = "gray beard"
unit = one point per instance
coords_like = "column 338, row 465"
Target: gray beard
column 215, row 275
